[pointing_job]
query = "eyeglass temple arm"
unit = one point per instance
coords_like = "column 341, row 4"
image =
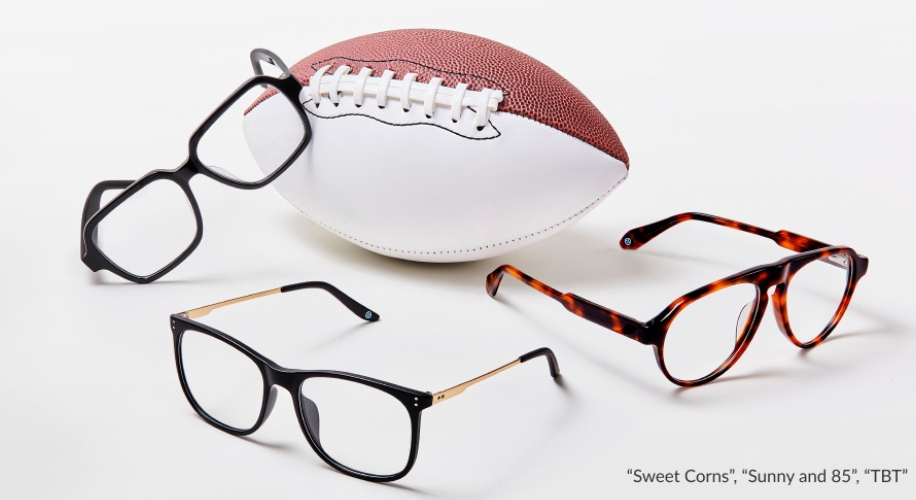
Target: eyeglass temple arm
column 612, row 320
column 94, row 203
column 354, row 306
column 258, row 55
column 639, row 236
column 458, row 389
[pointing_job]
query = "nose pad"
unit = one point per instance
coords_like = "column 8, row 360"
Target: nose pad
column 741, row 326
column 779, row 309
column 312, row 419
column 224, row 173
column 271, row 401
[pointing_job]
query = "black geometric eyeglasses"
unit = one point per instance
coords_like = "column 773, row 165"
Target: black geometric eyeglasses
column 151, row 226
column 361, row 426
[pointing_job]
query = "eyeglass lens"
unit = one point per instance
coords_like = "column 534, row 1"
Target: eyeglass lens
column 224, row 382
column 815, row 295
column 358, row 426
column 254, row 137
column 706, row 333
column 149, row 230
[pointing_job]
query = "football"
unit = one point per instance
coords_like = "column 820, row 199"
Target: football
column 441, row 146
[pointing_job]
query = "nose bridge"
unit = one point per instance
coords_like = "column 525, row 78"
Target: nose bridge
column 776, row 289
column 282, row 378
column 286, row 379
column 772, row 277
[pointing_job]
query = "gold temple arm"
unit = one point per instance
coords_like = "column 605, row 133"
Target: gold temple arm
column 458, row 389
column 205, row 310
column 354, row 306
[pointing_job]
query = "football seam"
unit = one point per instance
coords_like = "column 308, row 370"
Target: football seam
column 506, row 93
column 317, row 65
column 470, row 250
column 490, row 122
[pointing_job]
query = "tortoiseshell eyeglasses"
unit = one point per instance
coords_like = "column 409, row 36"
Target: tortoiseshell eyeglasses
column 697, row 340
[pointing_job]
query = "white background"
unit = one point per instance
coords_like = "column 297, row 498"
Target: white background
column 786, row 115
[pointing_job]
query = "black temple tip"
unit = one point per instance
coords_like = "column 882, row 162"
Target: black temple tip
column 551, row 359
column 351, row 304
column 371, row 315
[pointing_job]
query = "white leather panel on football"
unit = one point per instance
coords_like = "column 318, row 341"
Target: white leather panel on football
column 428, row 189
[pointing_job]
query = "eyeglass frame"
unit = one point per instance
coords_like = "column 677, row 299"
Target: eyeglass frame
column 272, row 374
column 778, row 274
column 93, row 213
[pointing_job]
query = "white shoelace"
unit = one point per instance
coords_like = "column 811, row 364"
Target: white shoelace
column 407, row 91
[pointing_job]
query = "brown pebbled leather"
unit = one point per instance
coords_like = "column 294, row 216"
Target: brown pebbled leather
column 530, row 88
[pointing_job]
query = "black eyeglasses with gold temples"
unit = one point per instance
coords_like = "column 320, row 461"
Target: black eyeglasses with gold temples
column 361, row 426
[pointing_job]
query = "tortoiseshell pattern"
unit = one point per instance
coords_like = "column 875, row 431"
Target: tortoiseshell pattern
column 595, row 313
column 777, row 276
column 638, row 237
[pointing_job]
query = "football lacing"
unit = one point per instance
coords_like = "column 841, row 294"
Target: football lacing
column 407, row 90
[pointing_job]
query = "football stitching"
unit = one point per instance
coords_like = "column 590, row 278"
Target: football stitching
column 323, row 62
column 471, row 250
column 506, row 94
column 424, row 51
column 490, row 122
